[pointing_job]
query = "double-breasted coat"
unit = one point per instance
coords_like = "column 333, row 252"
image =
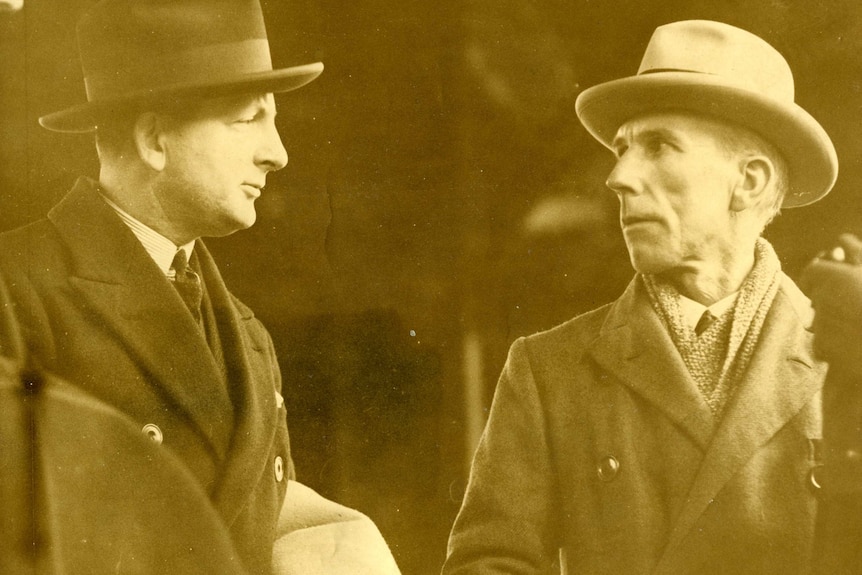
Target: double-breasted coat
column 97, row 311
column 601, row 453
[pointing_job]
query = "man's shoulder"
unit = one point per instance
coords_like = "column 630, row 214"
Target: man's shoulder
column 586, row 323
column 790, row 293
column 37, row 241
column 572, row 336
column 35, row 231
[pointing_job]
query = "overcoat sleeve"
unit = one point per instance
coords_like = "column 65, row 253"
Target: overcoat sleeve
column 507, row 522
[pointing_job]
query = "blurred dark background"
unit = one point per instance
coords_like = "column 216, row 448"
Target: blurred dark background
column 440, row 201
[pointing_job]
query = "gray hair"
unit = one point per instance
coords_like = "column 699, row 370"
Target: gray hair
column 741, row 142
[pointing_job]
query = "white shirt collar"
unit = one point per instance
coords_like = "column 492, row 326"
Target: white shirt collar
column 160, row 248
column 692, row 310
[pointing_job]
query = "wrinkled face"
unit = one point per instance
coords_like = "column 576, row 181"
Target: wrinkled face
column 216, row 160
column 674, row 180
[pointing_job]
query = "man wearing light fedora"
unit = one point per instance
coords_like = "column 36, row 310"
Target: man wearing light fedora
column 648, row 436
column 117, row 293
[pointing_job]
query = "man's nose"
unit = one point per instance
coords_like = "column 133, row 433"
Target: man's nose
column 271, row 153
column 623, row 178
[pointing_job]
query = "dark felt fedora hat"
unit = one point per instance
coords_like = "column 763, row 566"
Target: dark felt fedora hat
column 137, row 52
column 725, row 72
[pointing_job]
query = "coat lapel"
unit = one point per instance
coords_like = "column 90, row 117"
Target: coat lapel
column 252, row 386
column 635, row 347
column 781, row 379
column 118, row 281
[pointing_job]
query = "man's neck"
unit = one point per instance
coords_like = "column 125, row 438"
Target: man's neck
column 709, row 282
column 138, row 201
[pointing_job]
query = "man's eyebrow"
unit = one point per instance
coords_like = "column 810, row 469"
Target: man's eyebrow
column 659, row 132
column 636, row 134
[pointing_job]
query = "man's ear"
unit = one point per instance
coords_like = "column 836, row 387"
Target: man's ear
column 755, row 175
column 149, row 140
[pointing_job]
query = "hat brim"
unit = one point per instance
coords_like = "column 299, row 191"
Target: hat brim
column 807, row 149
column 85, row 117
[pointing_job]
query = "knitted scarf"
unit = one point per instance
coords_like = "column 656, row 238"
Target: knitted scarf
column 718, row 357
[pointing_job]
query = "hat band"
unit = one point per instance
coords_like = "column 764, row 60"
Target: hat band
column 659, row 70
column 213, row 64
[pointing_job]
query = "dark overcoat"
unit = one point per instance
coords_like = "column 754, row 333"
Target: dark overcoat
column 97, row 311
column 601, row 453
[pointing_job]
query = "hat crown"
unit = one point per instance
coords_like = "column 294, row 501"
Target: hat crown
column 718, row 70
column 705, row 47
column 143, row 45
column 143, row 53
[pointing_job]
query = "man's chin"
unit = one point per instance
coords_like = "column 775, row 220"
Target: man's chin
column 244, row 219
column 649, row 265
column 232, row 226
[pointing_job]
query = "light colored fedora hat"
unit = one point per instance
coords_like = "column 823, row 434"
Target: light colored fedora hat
column 136, row 52
column 728, row 73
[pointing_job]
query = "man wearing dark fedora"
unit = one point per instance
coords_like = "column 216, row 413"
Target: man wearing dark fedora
column 674, row 430
column 117, row 294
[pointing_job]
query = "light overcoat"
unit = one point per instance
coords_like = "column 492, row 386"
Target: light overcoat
column 96, row 310
column 601, row 453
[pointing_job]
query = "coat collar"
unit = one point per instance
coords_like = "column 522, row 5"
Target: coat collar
column 117, row 279
column 113, row 273
column 635, row 346
column 255, row 422
column 781, row 379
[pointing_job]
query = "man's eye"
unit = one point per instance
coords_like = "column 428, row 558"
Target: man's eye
column 656, row 145
column 250, row 119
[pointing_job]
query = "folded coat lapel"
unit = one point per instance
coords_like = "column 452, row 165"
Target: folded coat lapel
column 117, row 279
column 781, row 379
column 635, row 347
column 250, row 388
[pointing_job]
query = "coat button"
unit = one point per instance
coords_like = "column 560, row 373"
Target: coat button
column 608, row 468
column 815, row 480
column 152, row 431
column 279, row 468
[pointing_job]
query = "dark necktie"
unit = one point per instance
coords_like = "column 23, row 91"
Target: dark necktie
column 188, row 284
column 704, row 322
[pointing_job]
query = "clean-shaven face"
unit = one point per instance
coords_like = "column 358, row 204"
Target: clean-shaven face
column 217, row 160
column 674, row 181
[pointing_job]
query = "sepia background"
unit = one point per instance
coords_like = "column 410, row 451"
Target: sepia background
column 441, row 200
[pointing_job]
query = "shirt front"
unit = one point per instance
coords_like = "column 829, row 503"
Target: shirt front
column 692, row 310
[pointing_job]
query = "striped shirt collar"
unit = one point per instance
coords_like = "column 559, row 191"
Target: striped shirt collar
column 160, row 248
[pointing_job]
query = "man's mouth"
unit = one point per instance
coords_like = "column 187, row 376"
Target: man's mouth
column 629, row 221
column 253, row 190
